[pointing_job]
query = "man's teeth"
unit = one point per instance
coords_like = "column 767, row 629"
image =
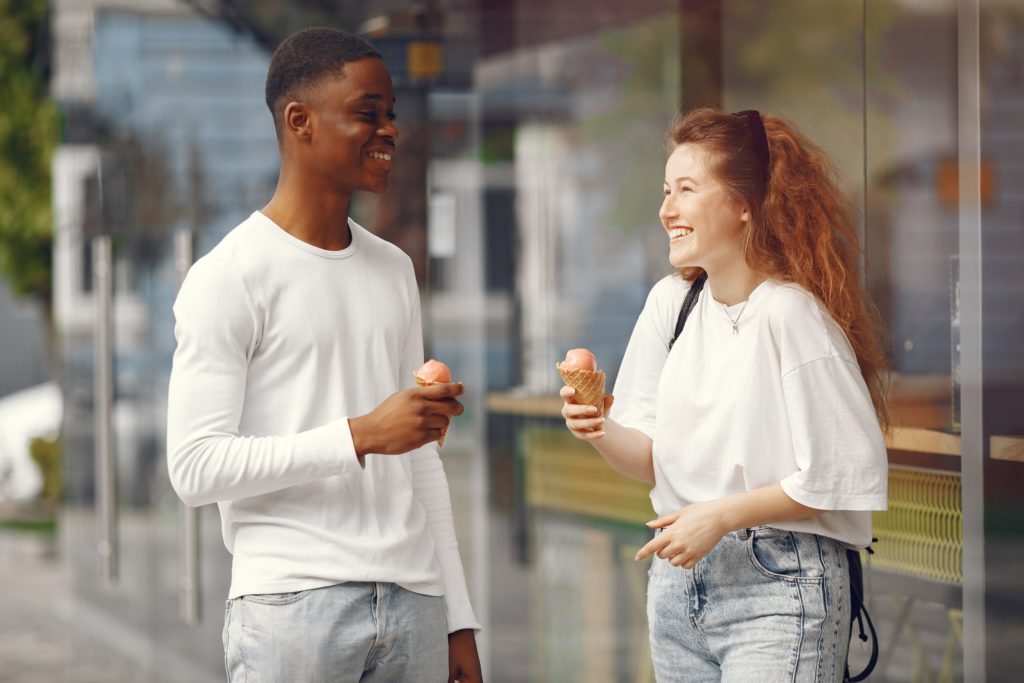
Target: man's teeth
column 679, row 232
column 380, row 155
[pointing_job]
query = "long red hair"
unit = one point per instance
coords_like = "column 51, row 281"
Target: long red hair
column 801, row 227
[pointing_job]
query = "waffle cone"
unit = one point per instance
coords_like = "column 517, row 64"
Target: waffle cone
column 425, row 383
column 589, row 385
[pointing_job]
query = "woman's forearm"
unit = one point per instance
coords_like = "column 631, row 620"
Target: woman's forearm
column 765, row 505
column 627, row 450
column 691, row 531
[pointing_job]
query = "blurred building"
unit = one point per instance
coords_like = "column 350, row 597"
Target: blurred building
column 526, row 192
column 21, row 334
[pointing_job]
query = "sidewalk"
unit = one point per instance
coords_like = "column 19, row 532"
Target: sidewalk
column 35, row 639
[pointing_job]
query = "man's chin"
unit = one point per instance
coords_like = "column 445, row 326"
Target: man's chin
column 377, row 186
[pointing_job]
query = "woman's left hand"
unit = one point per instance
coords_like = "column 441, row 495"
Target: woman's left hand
column 689, row 534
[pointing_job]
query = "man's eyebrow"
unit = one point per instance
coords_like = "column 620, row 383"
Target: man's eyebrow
column 374, row 97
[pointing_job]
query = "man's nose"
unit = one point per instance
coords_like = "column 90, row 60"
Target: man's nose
column 389, row 131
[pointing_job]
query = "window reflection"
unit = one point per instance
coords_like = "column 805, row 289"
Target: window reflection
column 527, row 196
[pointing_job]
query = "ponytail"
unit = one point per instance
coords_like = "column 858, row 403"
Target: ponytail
column 801, row 228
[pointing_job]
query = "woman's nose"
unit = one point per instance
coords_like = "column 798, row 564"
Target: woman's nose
column 668, row 209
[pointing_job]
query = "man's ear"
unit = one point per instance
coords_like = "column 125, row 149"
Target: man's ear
column 297, row 121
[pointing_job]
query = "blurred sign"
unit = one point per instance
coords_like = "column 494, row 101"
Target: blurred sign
column 947, row 182
column 412, row 60
column 424, row 59
column 441, row 231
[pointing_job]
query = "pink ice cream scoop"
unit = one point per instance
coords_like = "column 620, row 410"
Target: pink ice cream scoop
column 433, row 371
column 579, row 371
column 579, row 359
column 430, row 373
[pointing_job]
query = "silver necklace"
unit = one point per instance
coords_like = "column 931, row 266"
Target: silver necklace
column 735, row 321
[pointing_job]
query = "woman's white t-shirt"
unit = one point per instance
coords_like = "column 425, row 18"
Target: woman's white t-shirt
column 781, row 400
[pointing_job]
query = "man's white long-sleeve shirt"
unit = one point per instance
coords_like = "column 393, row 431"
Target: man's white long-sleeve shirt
column 279, row 343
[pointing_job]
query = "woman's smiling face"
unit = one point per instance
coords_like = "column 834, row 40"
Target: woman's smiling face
column 704, row 224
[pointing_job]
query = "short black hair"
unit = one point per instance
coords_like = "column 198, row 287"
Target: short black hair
column 307, row 57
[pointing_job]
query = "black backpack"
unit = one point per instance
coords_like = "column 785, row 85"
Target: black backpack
column 858, row 610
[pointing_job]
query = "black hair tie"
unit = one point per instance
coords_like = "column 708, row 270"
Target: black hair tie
column 756, row 127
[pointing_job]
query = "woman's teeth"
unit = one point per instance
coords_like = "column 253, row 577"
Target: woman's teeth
column 679, row 232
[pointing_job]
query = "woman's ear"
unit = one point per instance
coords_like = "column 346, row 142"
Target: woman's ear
column 744, row 215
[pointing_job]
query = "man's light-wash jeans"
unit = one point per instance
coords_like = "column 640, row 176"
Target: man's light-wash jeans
column 764, row 605
column 349, row 633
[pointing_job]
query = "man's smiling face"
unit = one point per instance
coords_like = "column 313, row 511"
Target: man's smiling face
column 352, row 133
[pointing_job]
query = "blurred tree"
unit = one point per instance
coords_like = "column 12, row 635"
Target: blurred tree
column 29, row 134
column 48, row 454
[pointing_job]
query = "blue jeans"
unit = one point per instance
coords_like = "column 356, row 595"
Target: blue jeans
column 348, row 633
column 764, row 605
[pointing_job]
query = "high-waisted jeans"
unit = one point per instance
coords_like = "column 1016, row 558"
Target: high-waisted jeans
column 764, row 605
column 349, row 633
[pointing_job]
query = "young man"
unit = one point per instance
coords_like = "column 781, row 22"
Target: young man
column 292, row 406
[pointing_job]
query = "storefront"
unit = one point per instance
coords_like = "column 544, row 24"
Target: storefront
column 527, row 192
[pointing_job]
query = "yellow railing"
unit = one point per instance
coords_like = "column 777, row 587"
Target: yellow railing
column 563, row 473
column 921, row 533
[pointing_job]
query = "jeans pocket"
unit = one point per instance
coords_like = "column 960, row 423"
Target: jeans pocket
column 276, row 598
column 774, row 553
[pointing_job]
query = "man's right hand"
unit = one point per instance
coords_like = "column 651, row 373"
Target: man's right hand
column 406, row 420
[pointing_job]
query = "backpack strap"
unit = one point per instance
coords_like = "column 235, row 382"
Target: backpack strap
column 859, row 614
column 688, row 303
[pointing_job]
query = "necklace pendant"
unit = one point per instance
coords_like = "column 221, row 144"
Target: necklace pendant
column 735, row 328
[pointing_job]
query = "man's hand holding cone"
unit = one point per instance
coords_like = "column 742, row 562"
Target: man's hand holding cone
column 430, row 373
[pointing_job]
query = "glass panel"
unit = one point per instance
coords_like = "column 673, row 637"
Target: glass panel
column 527, row 198
column 571, row 139
column 911, row 210
column 911, row 218
column 178, row 139
column 999, row 200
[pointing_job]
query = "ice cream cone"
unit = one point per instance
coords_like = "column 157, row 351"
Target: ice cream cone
column 427, row 383
column 589, row 385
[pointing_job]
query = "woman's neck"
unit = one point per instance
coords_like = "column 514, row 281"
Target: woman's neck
column 733, row 285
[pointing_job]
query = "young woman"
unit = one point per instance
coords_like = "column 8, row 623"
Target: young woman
column 760, row 427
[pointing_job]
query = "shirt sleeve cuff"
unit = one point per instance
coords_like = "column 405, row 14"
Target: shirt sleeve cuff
column 331, row 447
column 346, row 448
column 461, row 616
column 832, row 500
column 456, row 592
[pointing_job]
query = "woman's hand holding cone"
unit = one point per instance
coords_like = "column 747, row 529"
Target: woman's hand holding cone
column 583, row 420
column 586, row 404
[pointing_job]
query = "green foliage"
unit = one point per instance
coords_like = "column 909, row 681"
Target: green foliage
column 46, row 526
column 48, row 455
column 634, row 131
column 29, row 133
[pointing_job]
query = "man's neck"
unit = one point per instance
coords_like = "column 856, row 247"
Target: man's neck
column 307, row 210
